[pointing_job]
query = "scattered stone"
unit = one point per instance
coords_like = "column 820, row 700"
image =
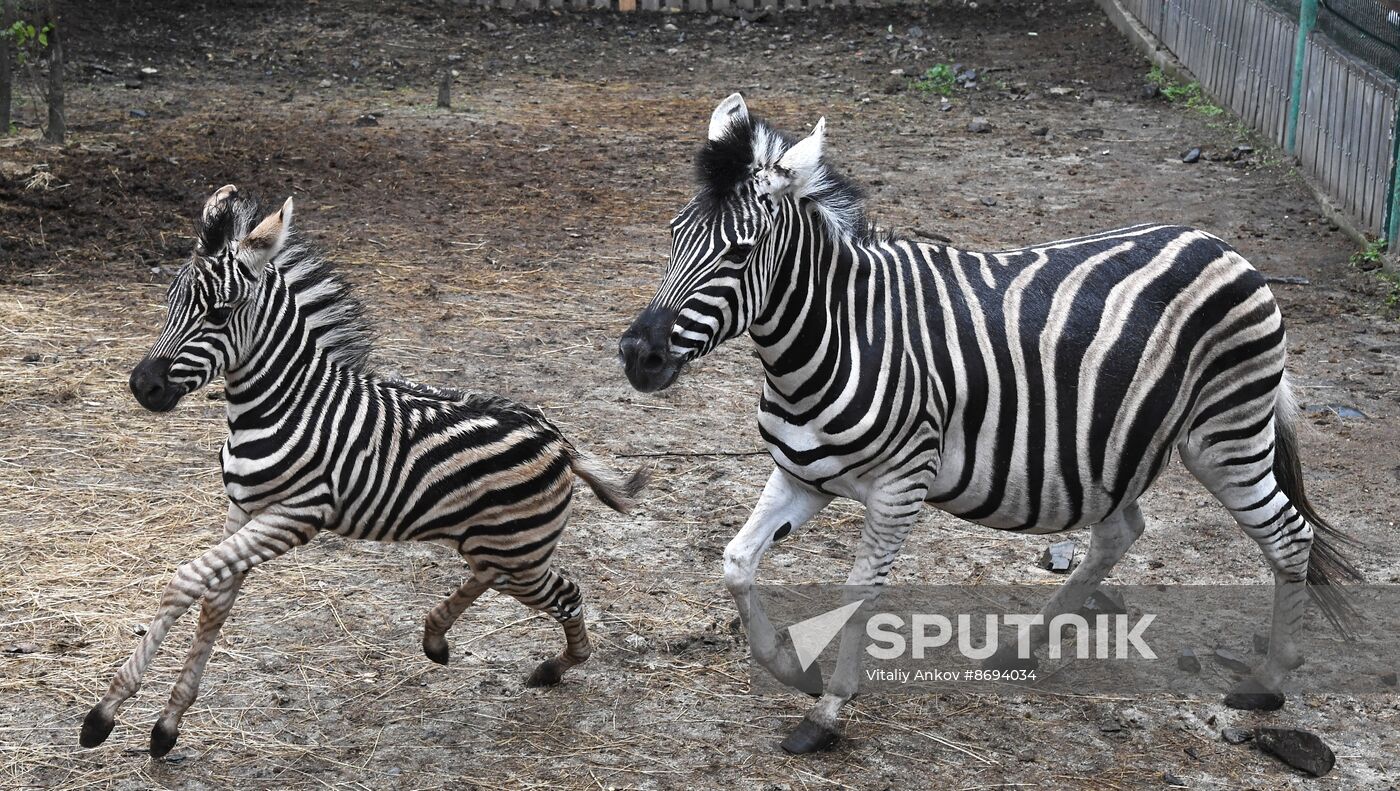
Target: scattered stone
column 368, row 119
column 326, row 83
column 897, row 72
column 134, row 85
column 1241, row 151
column 1058, row 557
column 637, row 643
column 1188, row 661
column 1172, row 780
column 1104, row 601
column 1288, row 280
column 1192, row 156
column 1151, row 91
column 979, row 125
column 944, row 105
column 1110, row 726
column 1344, row 411
column 149, row 70
column 139, row 629
column 1091, row 133
column 1390, row 679
column 1261, row 643
column 989, row 201
column 1236, row 735
column 139, row 114
column 22, row 648
column 1060, row 90
column 32, row 357
column 1297, row 748
column 1193, row 752
column 1231, row 660
column 1040, row 131
column 669, row 26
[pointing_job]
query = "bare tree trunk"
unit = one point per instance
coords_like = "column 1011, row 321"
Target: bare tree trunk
column 57, row 125
column 6, row 77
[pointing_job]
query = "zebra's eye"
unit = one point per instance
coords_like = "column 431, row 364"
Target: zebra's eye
column 738, row 253
column 218, row 315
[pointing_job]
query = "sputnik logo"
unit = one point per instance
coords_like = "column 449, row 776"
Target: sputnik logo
column 812, row 636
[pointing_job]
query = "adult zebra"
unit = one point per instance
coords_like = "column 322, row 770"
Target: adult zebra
column 1034, row 390
column 318, row 441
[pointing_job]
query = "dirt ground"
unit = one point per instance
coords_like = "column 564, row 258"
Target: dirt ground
column 503, row 246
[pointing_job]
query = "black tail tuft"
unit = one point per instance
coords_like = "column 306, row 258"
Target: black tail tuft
column 1328, row 568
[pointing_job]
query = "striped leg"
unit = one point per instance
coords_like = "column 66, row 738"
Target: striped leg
column 784, row 506
column 217, row 605
column 261, row 539
column 441, row 618
column 1240, row 473
column 886, row 528
column 553, row 593
column 1109, row 540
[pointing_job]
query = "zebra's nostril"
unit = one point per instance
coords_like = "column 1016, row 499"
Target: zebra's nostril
column 653, row 362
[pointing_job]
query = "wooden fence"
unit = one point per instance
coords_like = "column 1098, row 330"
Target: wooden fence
column 1333, row 111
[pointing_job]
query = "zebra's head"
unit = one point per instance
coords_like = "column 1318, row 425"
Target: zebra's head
column 208, row 299
column 716, row 282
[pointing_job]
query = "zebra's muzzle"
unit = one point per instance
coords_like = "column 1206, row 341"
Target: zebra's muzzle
column 645, row 349
column 150, row 383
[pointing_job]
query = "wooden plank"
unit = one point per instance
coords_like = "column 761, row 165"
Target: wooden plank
column 650, row 5
column 1356, row 86
column 719, row 5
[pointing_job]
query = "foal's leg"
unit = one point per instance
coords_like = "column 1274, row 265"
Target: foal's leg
column 217, row 605
column 887, row 525
column 261, row 539
column 785, row 505
column 553, row 593
column 1109, row 540
column 441, row 618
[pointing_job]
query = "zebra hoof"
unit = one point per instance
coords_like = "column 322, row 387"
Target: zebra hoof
column 163, row 738
column 1250, row 695
column 548, row 674
column 810, row 737
column 435, row 650
column 96, row 728
column 1007, row 658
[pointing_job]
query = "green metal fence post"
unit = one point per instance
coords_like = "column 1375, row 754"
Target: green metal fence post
column 1392, row 215
column 1307, row 20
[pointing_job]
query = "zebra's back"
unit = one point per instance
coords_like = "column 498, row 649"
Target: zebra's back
column 1093, row 356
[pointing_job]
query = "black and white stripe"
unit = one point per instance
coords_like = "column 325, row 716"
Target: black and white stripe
column 319, row 441
column 1036, row 389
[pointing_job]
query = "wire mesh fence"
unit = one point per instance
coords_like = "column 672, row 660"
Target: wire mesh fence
column 1368, row 29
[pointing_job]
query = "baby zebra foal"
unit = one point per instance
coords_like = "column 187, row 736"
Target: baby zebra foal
column 317, row 441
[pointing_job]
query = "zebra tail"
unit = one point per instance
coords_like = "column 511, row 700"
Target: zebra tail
column 1328, row 567
column 616, row 492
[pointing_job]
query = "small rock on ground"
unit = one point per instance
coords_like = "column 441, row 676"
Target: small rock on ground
column 1298, row 748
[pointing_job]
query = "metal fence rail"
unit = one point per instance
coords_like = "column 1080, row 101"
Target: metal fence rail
column 1321, row 82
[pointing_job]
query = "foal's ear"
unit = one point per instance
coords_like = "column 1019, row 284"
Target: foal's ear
column 798, row 168
column 215, row 224
column 264, row 242
column 730, row 111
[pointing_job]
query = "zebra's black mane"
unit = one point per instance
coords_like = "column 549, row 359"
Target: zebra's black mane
column 333, row 313
column 750, row 144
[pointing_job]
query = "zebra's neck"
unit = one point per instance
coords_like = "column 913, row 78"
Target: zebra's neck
column 308, row 330
column 817, row 284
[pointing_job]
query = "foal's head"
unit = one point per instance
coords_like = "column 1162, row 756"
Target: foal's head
column 209, row 301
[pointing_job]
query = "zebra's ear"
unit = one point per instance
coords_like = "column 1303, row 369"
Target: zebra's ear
column 215, row 224
column 798, row 168
column 730, row 111
column 264, row 242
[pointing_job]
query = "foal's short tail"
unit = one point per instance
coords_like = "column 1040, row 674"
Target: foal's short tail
column 616, row 492
column 1328, row 568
